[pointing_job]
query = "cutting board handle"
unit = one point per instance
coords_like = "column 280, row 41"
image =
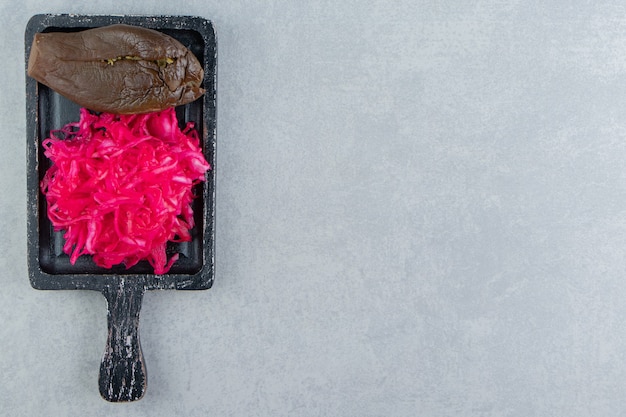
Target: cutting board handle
column 123, row 371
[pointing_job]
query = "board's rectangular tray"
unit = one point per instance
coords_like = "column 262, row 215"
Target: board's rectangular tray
column 46, row 110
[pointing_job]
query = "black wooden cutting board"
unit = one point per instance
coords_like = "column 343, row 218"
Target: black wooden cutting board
column 123, row 371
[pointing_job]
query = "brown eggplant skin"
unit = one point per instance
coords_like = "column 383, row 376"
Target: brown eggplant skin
column 120, row 69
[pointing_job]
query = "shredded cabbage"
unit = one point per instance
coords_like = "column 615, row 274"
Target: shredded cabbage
column 121, row 186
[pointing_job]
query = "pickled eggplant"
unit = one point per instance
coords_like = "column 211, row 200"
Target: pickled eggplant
column 118, row 69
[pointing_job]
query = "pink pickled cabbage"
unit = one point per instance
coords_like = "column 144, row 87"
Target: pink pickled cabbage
column 121, row 186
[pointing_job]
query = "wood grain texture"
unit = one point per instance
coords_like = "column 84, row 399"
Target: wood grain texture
column 123, row 374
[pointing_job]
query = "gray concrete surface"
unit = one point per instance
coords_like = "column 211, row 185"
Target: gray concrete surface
column 421, row 212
